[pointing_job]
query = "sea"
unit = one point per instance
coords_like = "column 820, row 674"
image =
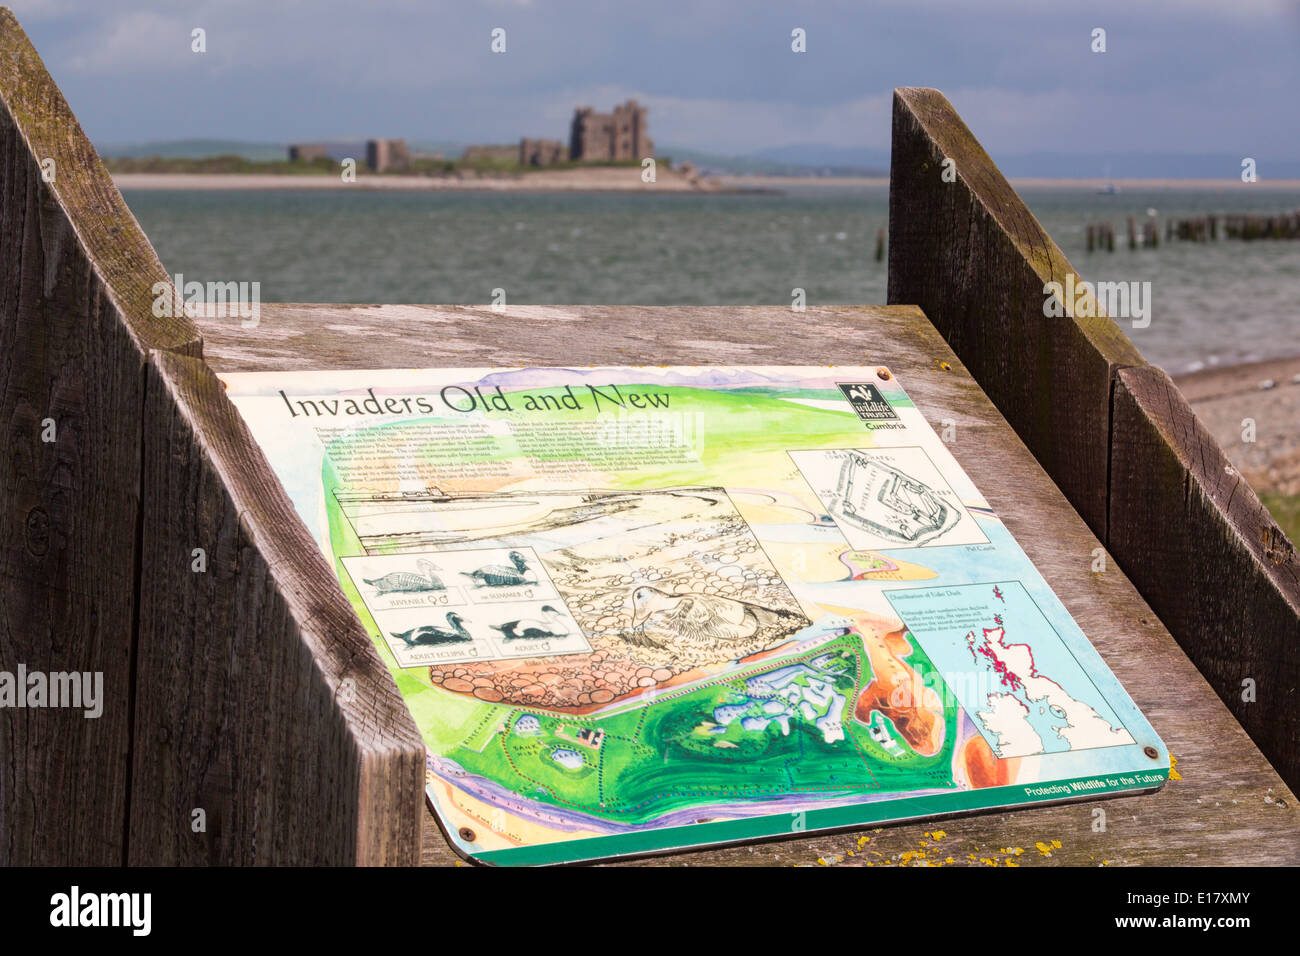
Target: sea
column 1212, row 304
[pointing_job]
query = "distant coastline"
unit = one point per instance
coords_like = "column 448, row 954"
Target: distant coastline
column 628, row 179
column 594, row 179
column 1037, row 182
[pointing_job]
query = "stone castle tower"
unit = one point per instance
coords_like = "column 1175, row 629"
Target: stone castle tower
column 621, row 135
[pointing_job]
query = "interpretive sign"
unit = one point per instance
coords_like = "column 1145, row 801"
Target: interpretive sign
column 644, row 609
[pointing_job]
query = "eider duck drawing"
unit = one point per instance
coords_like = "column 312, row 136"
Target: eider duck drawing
column 500, row 575
column 406, row 581
column 550, row 624
column 454, row 633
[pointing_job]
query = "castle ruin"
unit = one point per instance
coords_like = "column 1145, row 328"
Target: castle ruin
column 606, row 137
column 541, row 152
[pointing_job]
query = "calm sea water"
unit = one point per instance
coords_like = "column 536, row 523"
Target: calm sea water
column 1213, row 303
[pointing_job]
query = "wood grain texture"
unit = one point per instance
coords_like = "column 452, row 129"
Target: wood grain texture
column 1209, row 559
column 260, row 698
column 1229, row 807
column 75, row 317
column 975, row 259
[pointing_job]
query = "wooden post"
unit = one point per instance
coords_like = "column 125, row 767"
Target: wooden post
column 1112, row 432
column 76, row 322
column 1209, row 559
column 260, row 696
column 247, row 691
column 948, row 241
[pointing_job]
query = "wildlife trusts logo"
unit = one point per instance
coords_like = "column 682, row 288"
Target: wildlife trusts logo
column 868, row 402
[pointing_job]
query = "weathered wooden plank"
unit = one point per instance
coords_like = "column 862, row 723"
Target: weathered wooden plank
column 1209, row 559
column 974, row 258
column 260, row 699
column 75, row 319
column 1229, row 805
column 312, row 336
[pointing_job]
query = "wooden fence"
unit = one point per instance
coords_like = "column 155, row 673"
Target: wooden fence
column 246, row 717
column 1114, row 433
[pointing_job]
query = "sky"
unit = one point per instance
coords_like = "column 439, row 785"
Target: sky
column 1177, row 77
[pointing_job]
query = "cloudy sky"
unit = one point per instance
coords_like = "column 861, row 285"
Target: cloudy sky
column 1179, row 76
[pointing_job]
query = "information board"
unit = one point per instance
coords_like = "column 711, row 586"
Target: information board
column 642, row 609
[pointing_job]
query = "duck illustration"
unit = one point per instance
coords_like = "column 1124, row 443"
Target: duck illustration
column 701, row 618
column 455, row 633
column 550, row 624
column 499, row 575
column 405, row 581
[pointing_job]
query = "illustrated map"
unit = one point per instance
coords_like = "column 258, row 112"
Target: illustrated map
column 640, row 609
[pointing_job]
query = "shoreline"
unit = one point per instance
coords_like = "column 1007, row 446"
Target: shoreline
column 628, row 179
column 1253, row 411
column 1222, row 381
column 603, row 179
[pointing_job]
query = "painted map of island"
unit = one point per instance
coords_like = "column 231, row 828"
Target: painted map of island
column 829, row 717
column 707, row 683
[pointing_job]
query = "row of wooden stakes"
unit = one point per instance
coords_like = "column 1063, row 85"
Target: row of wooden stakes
column 1101, row 236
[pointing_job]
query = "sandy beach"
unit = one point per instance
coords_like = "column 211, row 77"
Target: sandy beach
column 1268, row 393
column 595, row 179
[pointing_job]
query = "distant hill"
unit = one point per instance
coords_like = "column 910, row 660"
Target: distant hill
column 839, row 160
column 194, row 149
column 1074, row 165
column 1068, row 165
column 783, row 162
column 254, row 151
